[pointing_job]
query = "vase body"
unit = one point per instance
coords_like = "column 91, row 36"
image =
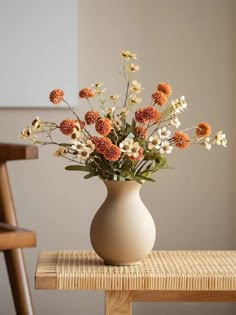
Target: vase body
column 122, row 231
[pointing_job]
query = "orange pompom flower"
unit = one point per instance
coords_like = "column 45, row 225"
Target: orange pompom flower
column 140, row 132
column 67, row 126
column 56, row 96
column 147, row 114
column 101, row 144
column 112, row 153
column 181, row 140
column 91, row 117
column 103, row 126
column 159, row 98
column 203, row 130
column 86, row 93
column 165, row 88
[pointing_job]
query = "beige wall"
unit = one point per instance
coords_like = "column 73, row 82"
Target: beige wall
column 188, row 43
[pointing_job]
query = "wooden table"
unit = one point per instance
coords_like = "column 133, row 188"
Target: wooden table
column 184, row 276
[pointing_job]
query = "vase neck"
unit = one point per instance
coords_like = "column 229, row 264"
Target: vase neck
column 122, row 187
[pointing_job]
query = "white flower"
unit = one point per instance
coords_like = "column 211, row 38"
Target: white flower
column 166, row 147
column 78, row 145
column 36, row 123
column 133, row 67
column 154, row 142
column 61, row 151
column 134, row 150
column 135, row 87
column 220, row 139
column 97, row 88
column 164, row 133
column 97, row 85
column 126, row 145
column 207, row 143
column 83, row 154
column 75, row 134
column 134, row 100
column 26, row 133
column 109, row 110
column 179, row 104
column 175, row 122
column 127, row 55
column 90, row 146
column 114, row 97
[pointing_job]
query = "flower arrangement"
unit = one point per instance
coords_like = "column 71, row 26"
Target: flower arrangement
column 121, row 140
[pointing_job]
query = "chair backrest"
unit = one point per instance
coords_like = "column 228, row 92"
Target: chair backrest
column 10, row 152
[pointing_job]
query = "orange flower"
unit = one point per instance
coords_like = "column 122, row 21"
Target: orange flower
column 159, row 97
column 181, row 139
column 86, row 93
column 140, row 155
column 91, row 117
column 56, row 96
column 147, row 114
column 165, row 88
column 103, row 126
column 67, row 126
column 101, row 144
column 112, row 153
column 140, row 132
column 203, row 130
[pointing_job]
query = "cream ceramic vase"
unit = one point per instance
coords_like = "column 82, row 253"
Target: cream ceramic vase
column 122, row 231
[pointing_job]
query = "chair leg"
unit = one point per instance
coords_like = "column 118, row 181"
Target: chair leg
column 14, row 258
column 19, row 281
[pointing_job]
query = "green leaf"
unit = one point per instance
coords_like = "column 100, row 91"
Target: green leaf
column 149, row 179
column 89, row 175
column 77, row 168
column 133, row 123
column 135, row 178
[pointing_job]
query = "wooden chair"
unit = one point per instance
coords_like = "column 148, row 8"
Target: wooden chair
column 13, row 238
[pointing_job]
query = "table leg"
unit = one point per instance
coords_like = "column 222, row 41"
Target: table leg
column 118, row 303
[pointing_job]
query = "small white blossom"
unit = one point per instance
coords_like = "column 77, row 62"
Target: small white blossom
column 135, row 87
column 207, row 143
column 78, row 145
column 75, row 134
column 166, row 148
column 90, row 146
column 114, row 97
column 220, row 139
column 98, row 88
column 83, row 154
column 134, row 100
column 164, row 133
column 61, row 151
column 134, row 150
column 97, row 85
column 179, row 104
column 126, row 145
column 127, row 55
column 175, row 122
column 133, row 67
column 109, row 110
column 36, row 123
column 26, row 133
column 154, row 142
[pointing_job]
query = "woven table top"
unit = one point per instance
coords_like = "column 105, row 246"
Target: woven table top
column 161, row 270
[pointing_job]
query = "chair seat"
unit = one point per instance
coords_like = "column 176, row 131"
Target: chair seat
column 14, row 237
